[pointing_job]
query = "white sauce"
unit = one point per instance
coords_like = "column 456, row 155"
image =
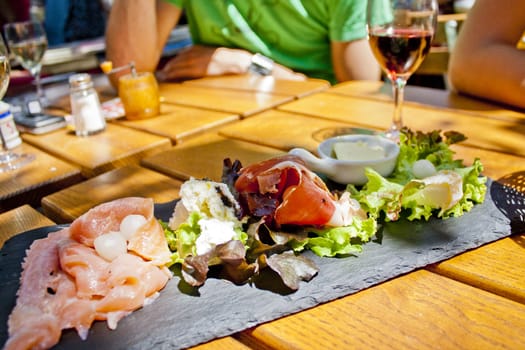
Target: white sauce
column 358, row 151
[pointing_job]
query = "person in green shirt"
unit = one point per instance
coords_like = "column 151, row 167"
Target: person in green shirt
column 316, row 38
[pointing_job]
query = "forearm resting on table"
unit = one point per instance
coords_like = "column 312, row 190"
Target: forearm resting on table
column 237, row 61
column 493, row 74
column 199, row 61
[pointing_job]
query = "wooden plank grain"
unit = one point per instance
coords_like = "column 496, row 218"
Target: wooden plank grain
column 130, row 181
column 180, row 122
column 421, row 310
column 203, row 157
column 487, row 133
column 227, row 343
column 269, row 84
column 283, row 130
column 244, row 103
column 44, row 175
column 21, row 219
column 430, row 98
column 115, row 147
column 498, row 267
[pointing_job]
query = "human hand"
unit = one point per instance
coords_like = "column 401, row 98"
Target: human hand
column 198, row 61
column 190, row 63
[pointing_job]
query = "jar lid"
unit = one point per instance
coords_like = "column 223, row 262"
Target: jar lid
column 80, row 81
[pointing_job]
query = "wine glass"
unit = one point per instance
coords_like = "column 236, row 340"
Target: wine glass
column 8, row 160
column 400, row 33
column 28, row 43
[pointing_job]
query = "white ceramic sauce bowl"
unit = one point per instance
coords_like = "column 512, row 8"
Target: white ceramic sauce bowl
column 350, row 171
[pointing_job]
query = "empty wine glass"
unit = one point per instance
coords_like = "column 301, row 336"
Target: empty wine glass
column 28, row 43
column 400, row 33
column 8, row 160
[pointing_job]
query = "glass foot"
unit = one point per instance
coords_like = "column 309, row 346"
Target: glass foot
column 392, row 135
column 11, row 161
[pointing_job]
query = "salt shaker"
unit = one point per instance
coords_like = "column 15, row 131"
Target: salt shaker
column 85, row 105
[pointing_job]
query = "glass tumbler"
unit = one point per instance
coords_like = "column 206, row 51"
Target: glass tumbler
column 139, row 93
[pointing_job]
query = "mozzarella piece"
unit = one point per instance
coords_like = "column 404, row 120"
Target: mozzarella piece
column 130, row 225
column 213, row 233
column 110, row 245
column 423, row 168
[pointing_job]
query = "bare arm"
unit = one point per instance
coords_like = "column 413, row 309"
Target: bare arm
column 137, row 30
column 485, row 61
column 354, row 61
column 198, row 61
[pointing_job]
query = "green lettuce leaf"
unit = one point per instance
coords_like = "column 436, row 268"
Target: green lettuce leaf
column 474, row 189
column 338, row 241
column 182, row 241
column 379, row 195
column 402, row 193
column 416, row 145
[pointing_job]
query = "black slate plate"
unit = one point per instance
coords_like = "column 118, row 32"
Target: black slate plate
column 178, row 319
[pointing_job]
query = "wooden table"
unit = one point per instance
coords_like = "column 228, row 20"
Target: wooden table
column 115, row 147
column 45, row 174
column 268, row 84
column 20, row 219
column 180, row 122
column 242, row 102
column 474, row 300
column 203, row 157
column 66, row 205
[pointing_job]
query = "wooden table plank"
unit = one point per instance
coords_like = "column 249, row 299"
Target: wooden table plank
column 30, row 183
column 203, row 157
column 269, row 84
column 228, row 343
column 283, row 130
column 420, row 310
column 66, row 205
column 243, row 103
column 115, row 147
column 20, row 220
column 498, row 267
column 428, row 97
column 181, row 122
column 286, row 130
column 504, row 136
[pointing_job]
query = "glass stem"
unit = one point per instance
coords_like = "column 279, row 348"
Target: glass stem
column 398, row 88
column 39, row 90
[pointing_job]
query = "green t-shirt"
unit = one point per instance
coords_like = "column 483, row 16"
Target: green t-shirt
column 295, row 33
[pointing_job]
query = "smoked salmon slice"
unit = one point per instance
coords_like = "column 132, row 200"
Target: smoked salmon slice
column 65, row 284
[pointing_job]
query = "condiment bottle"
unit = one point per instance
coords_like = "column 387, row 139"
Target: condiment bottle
column 8, row 131
column 139, row 93
column 85, row 106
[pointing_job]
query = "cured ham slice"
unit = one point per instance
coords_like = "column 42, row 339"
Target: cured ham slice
column 292, row 194
column 66, row 284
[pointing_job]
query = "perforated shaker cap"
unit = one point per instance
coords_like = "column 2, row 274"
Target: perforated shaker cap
column 80, row 81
